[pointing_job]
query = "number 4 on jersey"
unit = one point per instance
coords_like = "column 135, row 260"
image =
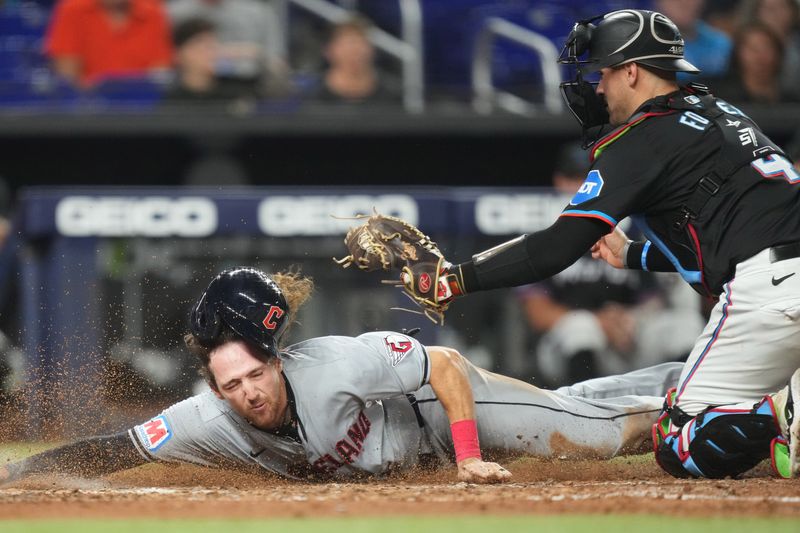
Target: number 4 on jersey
column 776, row 166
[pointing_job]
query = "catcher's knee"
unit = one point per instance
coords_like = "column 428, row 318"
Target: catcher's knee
column 716, row 443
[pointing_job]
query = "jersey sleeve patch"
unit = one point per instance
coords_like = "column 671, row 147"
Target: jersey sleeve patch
column 590, row 189
column 397, row 346
column 154, row 433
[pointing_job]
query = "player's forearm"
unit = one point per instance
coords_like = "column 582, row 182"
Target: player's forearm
column 531, row 258
column 643, row 255
column 450, row 382
column 91, row 457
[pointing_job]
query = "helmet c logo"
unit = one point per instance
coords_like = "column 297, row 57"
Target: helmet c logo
column 273, row 313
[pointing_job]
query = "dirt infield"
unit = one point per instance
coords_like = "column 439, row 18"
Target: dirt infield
column 540, row 487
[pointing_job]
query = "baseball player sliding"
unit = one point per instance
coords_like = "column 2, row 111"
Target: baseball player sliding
column 338, row 407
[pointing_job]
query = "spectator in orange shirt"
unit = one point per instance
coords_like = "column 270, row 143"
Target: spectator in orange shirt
column 89, row 40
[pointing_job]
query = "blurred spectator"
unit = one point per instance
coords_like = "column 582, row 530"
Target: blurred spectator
column 593, row 319
column 92, row 39
column 793, row 150
column 755, row 74
column 705, row 47
column 250, row 35
column 351, row 76
column 723, row 15
column 783, row 16
column 196, row 80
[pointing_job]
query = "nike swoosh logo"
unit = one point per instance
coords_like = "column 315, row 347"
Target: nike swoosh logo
column 778, row 281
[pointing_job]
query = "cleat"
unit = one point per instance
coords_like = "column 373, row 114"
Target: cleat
column 779, row 455
column 793, row 423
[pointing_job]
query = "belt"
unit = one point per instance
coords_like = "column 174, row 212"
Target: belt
column 782, row 252
column 426, row 460
column 413, row 401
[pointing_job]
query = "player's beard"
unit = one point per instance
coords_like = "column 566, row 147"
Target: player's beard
column 271, row 411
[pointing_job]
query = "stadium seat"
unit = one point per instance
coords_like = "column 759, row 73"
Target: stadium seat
column 127, row 92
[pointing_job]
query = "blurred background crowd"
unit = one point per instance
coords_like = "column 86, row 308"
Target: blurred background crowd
column 242, row 53
column 342, row 96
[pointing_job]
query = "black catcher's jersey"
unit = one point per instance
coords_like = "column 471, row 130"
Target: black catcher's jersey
column 651, row 169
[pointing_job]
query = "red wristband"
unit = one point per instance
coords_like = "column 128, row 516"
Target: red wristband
column 465, row 439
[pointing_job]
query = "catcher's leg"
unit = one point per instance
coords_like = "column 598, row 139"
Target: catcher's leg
column 722, row 421
column 719, row 442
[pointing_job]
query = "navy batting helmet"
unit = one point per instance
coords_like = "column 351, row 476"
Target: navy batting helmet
column 246, row 300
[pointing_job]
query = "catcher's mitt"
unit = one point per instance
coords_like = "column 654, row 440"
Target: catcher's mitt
column 388, row 243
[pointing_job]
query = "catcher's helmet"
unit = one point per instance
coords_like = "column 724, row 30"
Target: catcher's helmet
column 630, row 35
column 619, row 37
column 246, row 300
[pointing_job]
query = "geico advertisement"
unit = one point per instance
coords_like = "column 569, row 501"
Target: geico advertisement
column 152, row 216
column 329, row 215
column 156, row 216
column 506, row 214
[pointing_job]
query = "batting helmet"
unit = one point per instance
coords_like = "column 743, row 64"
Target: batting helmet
column 246, row 300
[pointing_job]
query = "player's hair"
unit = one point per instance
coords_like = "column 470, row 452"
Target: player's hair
column 296, row 289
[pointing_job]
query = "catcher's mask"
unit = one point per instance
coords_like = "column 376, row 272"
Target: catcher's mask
column 619, row 37
column 246, row 300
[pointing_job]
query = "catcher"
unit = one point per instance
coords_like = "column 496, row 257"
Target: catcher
column 719, row 203
column 339, row 407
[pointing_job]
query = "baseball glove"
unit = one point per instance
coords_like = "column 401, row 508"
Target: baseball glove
column 388, row 243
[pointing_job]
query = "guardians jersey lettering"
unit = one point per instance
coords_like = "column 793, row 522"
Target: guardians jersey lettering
column 346, row 449
column 343, row 387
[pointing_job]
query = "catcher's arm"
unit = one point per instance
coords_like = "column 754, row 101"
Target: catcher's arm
column 450, row 383
column 388, row 243
column 531, row 258
column 94, row 456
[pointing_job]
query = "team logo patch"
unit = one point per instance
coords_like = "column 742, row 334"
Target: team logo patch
column 273, row 314
column 154, row 433
column 590, row 188
column 424, row 283
column 747, row 136
column 397, row 346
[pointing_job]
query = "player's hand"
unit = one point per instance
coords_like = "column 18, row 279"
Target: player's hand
column 474, row 470
column 4, row 474
column 611, row 247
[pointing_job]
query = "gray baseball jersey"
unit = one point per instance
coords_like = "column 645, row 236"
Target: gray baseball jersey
column 363, row 406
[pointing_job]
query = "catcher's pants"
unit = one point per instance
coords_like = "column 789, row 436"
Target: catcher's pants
column 749, row 349
column 751, row 344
